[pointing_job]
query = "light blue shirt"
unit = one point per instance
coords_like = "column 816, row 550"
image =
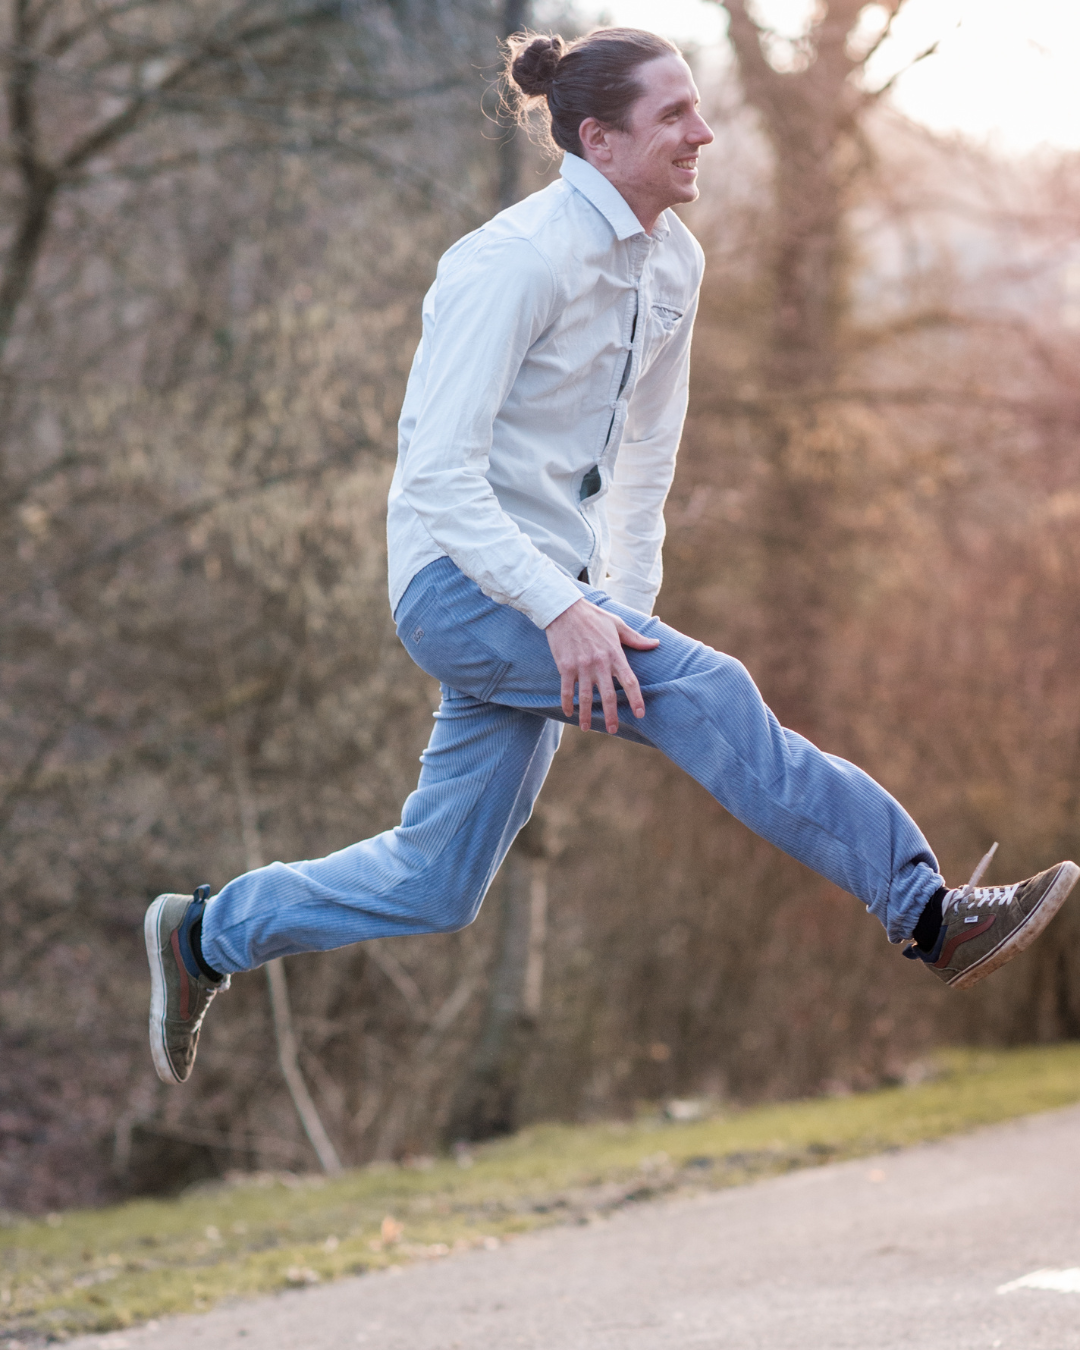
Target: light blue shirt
column 546, row 401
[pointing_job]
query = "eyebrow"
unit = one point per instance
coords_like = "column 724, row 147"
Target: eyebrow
column 676, row 106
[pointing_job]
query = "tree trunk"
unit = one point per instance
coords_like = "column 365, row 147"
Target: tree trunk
column 23, row 255
column 516, row 15
column 809, row 115
column 488, row 1099
column 284, row 1029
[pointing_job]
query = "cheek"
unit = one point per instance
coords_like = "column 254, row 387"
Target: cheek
column 660, row 155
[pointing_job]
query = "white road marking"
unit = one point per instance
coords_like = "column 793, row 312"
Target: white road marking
column 1058, row 1281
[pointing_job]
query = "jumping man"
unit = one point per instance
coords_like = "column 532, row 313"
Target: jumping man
column 537, row 445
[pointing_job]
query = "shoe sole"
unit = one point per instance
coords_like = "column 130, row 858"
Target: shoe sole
column 1022, row 937
column 158, row 1051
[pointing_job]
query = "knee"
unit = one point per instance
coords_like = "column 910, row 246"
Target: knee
column 724, row 677
column 455, row 912
column 738, row 681
column 731, row 668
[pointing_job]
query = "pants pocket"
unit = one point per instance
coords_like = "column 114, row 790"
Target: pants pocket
column 499, row 670
column 453, row 655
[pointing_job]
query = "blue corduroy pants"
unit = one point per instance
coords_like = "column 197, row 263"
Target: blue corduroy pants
column 495, row 734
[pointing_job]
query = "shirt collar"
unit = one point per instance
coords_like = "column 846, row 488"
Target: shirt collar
column 607, row 198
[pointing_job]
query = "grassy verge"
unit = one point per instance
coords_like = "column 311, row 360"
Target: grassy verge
column 110, row 1268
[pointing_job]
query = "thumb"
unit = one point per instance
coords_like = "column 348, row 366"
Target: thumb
column 629, row 638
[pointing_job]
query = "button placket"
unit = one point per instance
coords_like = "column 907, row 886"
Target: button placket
column 634, row 316
column 639, row 257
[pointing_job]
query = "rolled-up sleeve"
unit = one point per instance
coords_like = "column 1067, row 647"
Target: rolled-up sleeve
column 481, row 318
column 644, row 471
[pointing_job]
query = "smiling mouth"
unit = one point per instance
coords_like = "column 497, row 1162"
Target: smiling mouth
column 689, row 164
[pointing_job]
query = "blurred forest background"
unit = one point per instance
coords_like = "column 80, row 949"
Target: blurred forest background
column 219, row 218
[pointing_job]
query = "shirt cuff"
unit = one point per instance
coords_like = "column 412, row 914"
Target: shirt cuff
column 546, row 599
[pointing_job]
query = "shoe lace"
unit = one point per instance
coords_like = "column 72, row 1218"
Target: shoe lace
column 976, row 896
column 989, row 895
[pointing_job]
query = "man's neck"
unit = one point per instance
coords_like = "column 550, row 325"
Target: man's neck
column 647, row 212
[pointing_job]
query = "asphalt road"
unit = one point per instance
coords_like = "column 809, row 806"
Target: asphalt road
column 905, row 1250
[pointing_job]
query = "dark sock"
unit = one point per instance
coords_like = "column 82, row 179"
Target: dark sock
column 196, row 951
column 929, row 925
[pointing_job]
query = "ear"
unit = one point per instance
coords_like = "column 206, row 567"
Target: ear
column 595, row 140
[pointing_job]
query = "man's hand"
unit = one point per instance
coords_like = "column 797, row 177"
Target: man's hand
column 587, row 644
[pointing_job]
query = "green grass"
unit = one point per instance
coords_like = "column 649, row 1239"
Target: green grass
column 109, row 1268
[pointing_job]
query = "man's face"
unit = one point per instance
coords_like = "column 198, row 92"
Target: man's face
column 654, row 162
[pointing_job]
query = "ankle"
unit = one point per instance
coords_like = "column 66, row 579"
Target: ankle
column 196, row 951
column 189, row 935
column 928, row 927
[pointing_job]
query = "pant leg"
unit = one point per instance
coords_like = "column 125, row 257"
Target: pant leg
column 705, row 713
column 492, row 746
column 481, row 773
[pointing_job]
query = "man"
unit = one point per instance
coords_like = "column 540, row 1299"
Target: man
column 537, row 446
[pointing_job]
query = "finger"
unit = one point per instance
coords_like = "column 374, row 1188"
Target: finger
column 629, row 638
column 585, row 688
column 631, row 688
column 609, row 699
column 567, row 693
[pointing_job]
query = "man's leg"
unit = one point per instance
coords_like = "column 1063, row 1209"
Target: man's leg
column 704, row 712
column 481, row 773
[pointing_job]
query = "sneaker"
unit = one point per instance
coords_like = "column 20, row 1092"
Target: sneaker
column 180, row 991
column 982, row 927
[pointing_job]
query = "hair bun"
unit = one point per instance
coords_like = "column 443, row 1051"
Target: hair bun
column 534, row 66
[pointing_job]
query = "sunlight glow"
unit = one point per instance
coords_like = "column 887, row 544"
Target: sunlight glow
column 1003, row 73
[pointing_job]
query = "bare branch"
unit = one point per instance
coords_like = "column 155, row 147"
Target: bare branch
column 445, row 1016
column 883, row 36
column 746, row 37
column 400, row 978
column 68, row 38
column 288, row 1058
column 215, row 47
column 874, row 95
column 172, row 520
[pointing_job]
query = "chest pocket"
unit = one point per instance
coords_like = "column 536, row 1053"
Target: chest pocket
column 664, row 320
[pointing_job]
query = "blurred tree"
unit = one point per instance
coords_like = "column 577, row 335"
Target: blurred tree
column 197, row 410
column 490, row 1088
column 516, row 16
column 208, row 325
column 81, row 79
column 812, row 99
column 487, row 1097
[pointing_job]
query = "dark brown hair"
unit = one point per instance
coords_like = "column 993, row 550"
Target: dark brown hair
column 595, row 76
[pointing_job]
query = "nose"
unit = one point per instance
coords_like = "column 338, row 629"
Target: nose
column 700, row 132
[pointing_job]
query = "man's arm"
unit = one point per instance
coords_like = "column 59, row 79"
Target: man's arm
column 644, row 470
column 487, row 310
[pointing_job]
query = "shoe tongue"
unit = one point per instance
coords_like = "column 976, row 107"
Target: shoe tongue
column 976, row 877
